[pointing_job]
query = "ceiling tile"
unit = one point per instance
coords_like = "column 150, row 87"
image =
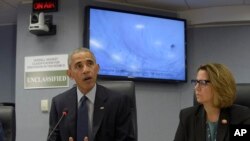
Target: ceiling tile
column 247, row 1
column 8, row 7
column 174, row 5
column 212, row 3
column 7, row 12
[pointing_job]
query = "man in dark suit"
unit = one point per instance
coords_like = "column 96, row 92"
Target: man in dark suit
column 109, row 114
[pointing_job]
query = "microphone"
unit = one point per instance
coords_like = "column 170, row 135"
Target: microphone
column 64, row 113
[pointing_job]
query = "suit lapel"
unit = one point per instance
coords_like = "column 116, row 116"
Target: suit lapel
column 71, row 104
column 200, row 125
column 223, row 128
column 99, row 109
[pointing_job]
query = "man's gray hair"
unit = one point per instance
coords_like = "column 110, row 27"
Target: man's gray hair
column 78, row 50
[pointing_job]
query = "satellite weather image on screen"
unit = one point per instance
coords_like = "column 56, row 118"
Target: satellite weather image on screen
column 137, row 46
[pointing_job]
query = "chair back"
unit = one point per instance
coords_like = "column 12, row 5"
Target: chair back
column 8, row 120
column 127, row 88
column 243, row 94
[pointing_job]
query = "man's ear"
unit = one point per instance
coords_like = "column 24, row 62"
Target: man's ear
column 69, row 74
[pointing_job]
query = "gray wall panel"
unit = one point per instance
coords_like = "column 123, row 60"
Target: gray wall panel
column 7, row 63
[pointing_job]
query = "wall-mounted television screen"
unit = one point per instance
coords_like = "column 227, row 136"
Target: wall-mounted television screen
column 136, row 46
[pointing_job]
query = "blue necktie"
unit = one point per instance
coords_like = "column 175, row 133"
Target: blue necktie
column 82, row 119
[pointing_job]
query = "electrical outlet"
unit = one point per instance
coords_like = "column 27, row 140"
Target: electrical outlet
column 44, row 105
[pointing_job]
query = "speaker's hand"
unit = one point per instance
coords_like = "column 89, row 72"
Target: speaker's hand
column 71, row 139
column 85, row 139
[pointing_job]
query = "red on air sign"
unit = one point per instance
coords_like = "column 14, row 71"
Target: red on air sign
column 45, row 5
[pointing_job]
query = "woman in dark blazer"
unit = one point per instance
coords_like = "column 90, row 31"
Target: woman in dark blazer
column 215, row 91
